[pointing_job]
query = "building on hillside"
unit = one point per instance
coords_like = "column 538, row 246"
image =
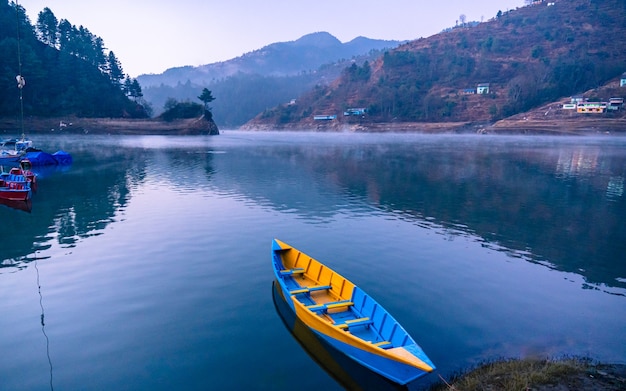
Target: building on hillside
column 591, row 107
column 622, row 81
column 483, row 88
column 468, row 91
column 576, row 99
column 324, row 117
column 354, row 111
column 615, row 104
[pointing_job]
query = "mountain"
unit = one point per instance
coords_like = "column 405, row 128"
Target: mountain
column 306, row 54
column 264, row 78
column 527, row 57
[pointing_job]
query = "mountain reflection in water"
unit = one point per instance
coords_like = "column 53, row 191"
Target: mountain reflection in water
column 555, row 199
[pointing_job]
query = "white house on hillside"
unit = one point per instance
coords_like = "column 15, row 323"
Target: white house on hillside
column 483, row 88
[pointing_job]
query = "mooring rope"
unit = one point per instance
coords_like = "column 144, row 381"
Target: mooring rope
column 43, row 326
column 20, row 79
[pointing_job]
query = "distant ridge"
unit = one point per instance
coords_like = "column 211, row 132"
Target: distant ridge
column 290, row 58
column 249, row 84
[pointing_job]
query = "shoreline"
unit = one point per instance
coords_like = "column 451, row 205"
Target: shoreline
column 121, row 126
column 199, row 126
column 511, row 126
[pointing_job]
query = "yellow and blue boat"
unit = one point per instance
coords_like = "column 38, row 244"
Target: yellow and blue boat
column 346, row 317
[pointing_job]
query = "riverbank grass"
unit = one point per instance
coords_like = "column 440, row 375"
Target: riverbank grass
column 538, row 375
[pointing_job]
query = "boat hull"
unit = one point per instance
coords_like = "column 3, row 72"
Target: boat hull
column 346, row 317
column 348, row 372
column 14, row 195
column 14, row 187
column 9, row 159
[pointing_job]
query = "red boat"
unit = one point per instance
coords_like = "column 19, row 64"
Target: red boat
column 14, row 187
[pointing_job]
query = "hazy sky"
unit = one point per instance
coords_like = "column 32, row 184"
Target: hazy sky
column 150, row 36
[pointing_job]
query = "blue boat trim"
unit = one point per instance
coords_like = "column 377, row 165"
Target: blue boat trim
column 354, row 322
column 292, row 271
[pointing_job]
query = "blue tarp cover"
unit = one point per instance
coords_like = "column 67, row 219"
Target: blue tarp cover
column 40, row 158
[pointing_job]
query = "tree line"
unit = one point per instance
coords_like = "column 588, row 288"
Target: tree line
column 67, row 69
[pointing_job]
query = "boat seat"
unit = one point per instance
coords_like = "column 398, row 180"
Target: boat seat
column 309, row 289
column 383, row 344
column 295, row 270
column 330, row 305
column 16, row 178
column 354, row 322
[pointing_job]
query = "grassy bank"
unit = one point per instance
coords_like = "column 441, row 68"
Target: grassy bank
column 539, row 375
column 79, row 125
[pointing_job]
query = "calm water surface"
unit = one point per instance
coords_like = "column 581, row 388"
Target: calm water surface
column 146, row 264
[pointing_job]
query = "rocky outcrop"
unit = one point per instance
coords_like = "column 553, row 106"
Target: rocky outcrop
column 205, row 125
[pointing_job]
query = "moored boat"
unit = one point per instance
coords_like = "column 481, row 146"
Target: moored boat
column 350, row 374
column 346, row 317
column 14, row 187
column 11, row 150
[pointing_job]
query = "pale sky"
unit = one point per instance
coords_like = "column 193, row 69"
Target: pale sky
column 150, row 36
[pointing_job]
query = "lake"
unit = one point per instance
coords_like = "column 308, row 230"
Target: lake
column 146, row 264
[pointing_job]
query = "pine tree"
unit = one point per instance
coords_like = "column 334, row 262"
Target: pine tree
column 135, row 90
column 206, row 97
column 114, row 68
column 48, row 27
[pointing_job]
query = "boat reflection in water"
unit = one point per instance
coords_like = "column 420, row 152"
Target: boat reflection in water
column 24, row 205
column 347, row 372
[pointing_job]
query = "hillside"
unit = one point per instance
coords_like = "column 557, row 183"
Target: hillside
column 264, row 78
column 305, row 54
column 529, row 57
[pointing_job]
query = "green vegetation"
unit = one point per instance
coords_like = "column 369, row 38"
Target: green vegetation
column 66, row 68
column 206, row 97
column 358, row 73
column 176, row 110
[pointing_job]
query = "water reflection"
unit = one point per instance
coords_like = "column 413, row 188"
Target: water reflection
column 347, row 372
column 79, row 201
column 539, row 199
column 71, row 203
column 556, row 202
column 24, row 206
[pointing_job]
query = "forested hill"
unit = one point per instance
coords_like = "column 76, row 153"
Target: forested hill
column 66, row 69
column 528, row 56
